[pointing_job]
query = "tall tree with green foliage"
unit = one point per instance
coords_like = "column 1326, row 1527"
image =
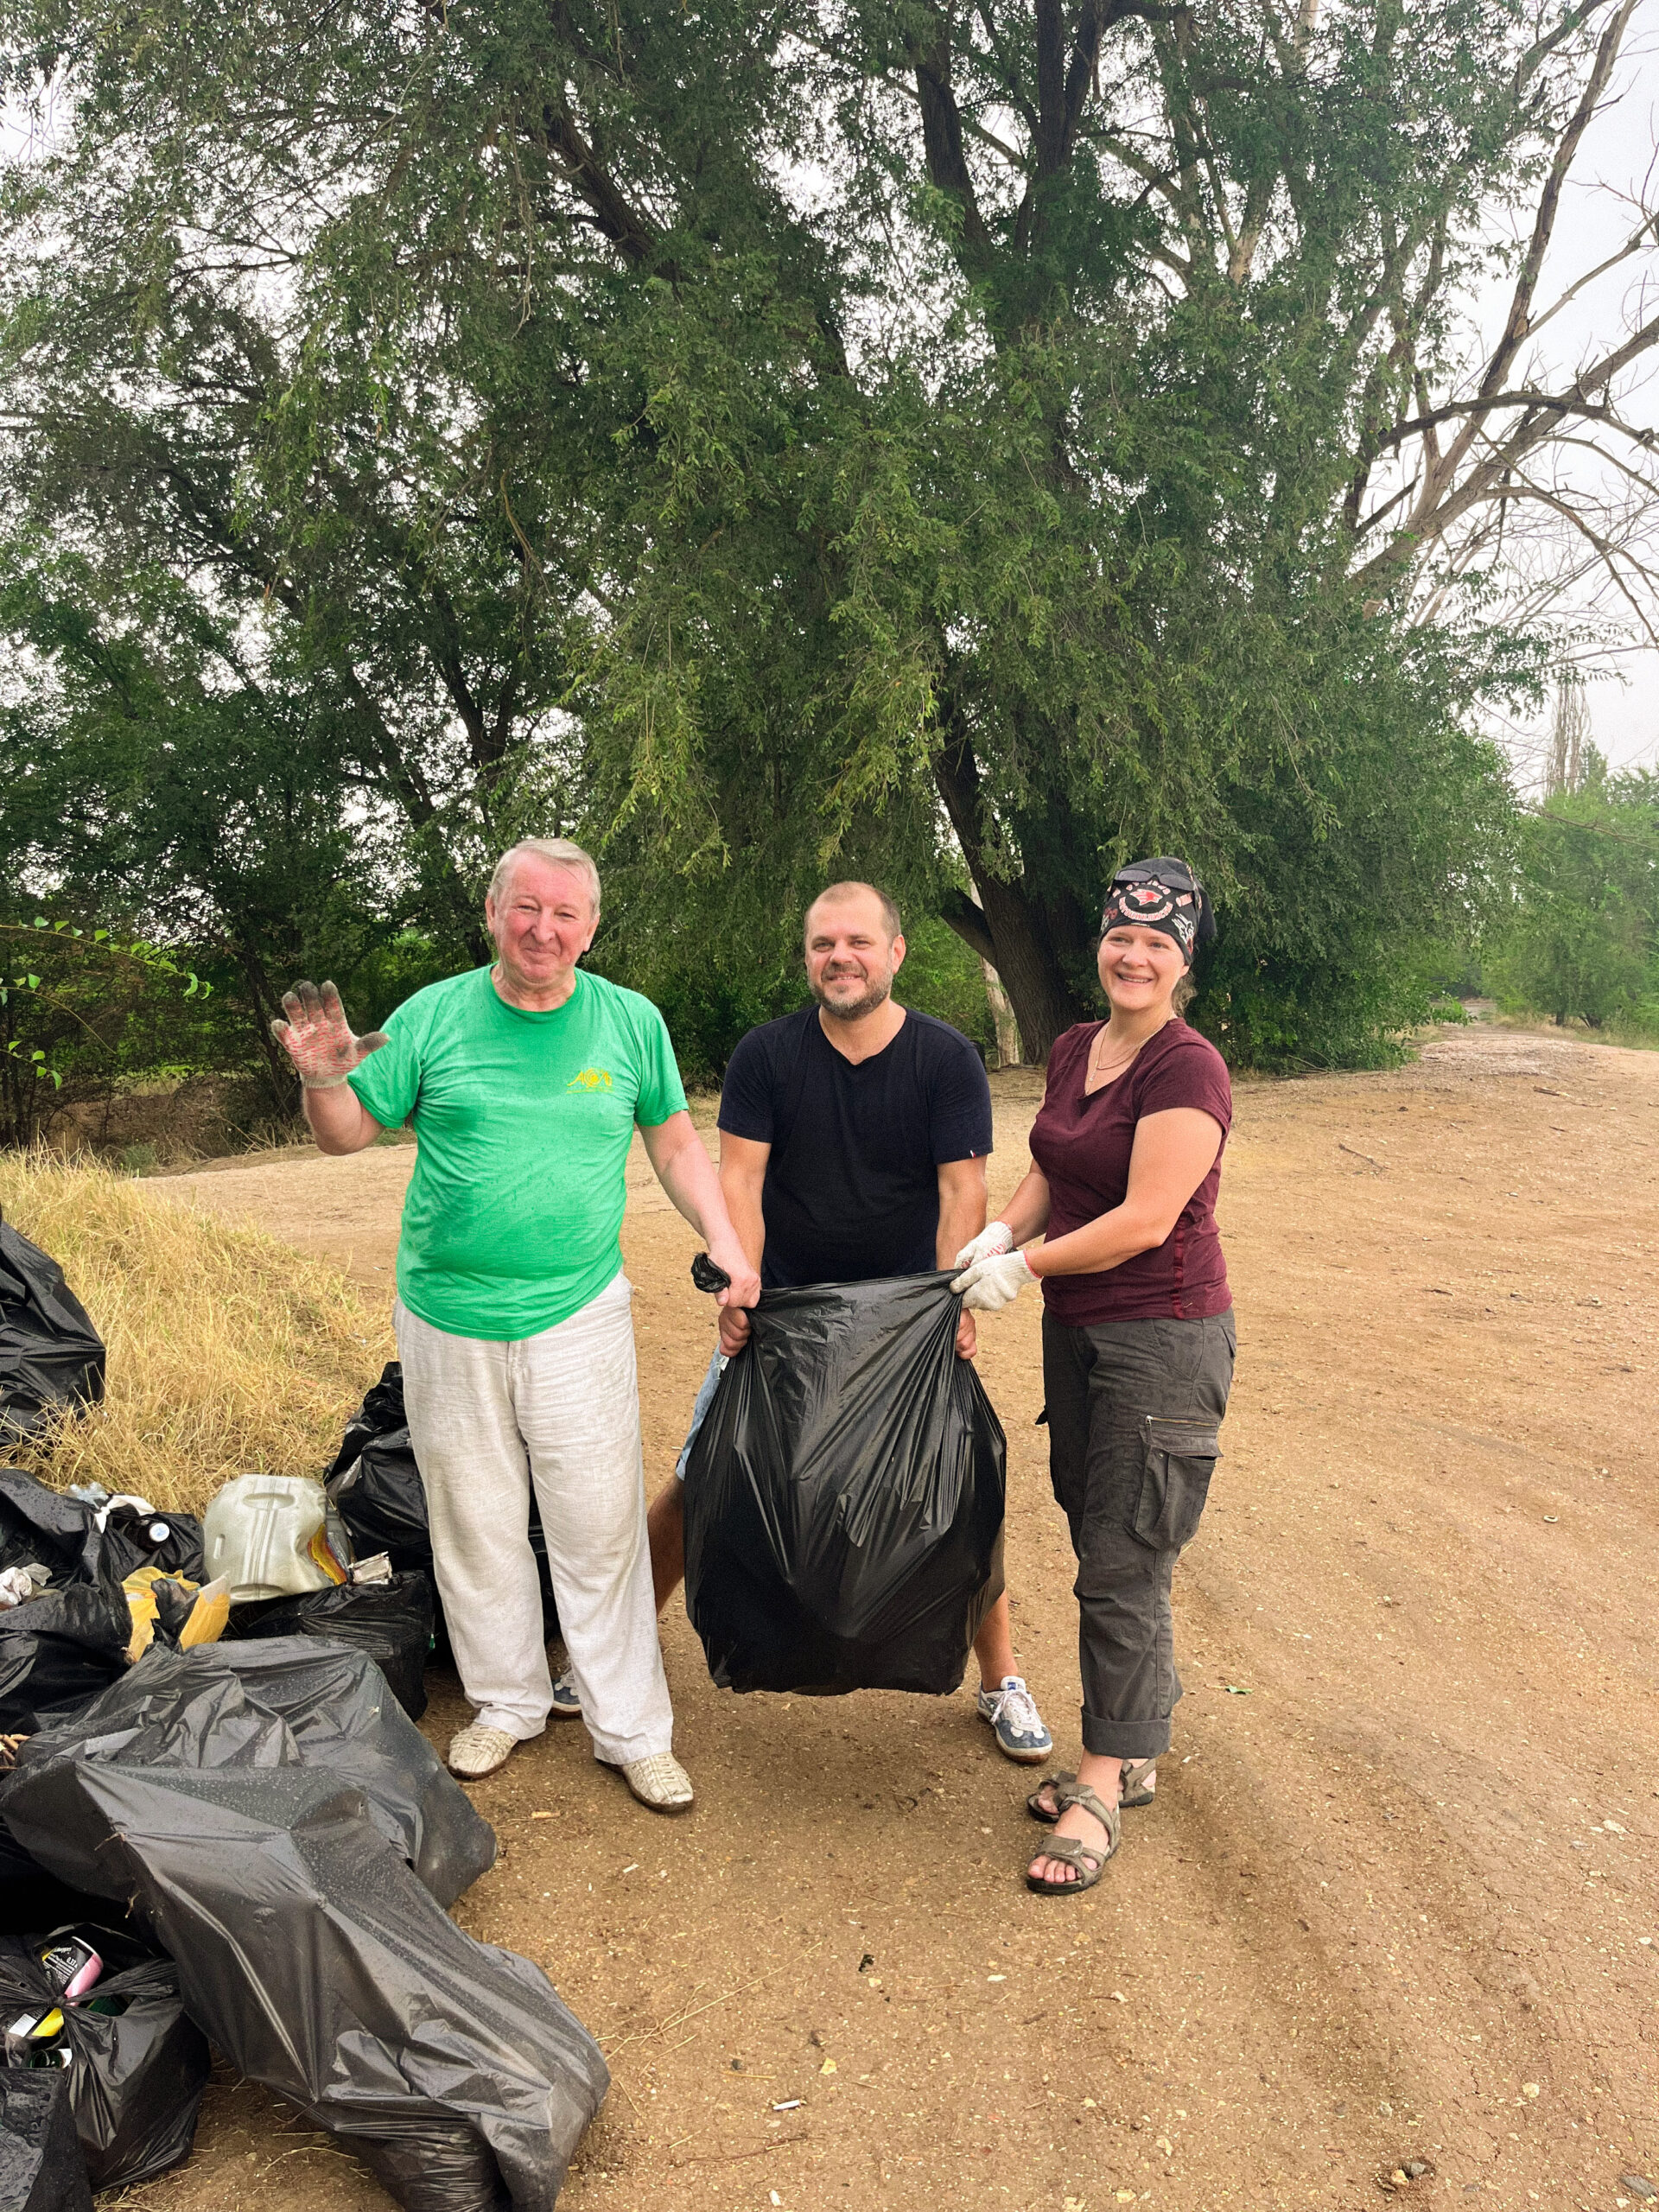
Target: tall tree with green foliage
column 1578, row 936
column 966, row 444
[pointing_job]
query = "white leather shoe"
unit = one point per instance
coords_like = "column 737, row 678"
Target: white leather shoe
column 476, row 1750
column 659, row 1782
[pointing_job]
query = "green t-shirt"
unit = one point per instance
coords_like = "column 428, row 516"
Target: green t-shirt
column 523, row 1121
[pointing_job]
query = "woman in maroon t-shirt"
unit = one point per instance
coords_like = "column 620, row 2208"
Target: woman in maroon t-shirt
column 1137, row 1336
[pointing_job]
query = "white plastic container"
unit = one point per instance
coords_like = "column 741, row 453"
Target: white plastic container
column 274, row 1537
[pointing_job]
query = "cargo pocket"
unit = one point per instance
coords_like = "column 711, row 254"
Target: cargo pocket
column 1179, row 1458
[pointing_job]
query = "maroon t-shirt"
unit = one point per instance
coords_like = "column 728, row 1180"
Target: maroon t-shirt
column 1083, row 1145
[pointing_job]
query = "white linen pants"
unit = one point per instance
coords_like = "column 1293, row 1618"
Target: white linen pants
column 559, row 1409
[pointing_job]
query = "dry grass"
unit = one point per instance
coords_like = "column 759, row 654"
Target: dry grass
column 228, row 1350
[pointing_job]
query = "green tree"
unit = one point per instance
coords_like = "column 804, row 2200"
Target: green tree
column 960, row 445
column 1581, row 934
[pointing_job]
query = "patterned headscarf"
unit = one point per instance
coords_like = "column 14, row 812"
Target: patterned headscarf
column 1161, row 894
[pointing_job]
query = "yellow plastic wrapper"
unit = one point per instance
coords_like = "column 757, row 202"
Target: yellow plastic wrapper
column 208, row 1617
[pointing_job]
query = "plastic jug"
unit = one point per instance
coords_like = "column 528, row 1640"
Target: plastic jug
column 274, row 1537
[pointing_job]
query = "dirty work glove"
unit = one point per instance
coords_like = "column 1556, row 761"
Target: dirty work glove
column 318, row 1038
column 989, row 1285
column 996, row 1238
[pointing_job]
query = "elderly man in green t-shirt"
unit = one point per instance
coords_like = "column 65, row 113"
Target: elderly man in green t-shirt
column 525, row 1082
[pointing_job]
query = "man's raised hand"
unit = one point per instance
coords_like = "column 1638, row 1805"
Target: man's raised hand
column 318, row 1038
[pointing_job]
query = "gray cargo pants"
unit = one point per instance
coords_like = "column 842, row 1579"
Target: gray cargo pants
column 1134, row 1408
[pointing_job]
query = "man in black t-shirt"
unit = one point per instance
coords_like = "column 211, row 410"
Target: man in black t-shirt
column 852, row 1143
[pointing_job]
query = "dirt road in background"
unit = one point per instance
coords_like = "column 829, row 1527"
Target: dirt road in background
column 1395, row 1900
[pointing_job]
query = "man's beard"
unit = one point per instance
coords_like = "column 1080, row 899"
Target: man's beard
column 877, row 991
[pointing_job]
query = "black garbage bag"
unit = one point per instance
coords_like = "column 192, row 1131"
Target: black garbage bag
column 51, row 1357
column 42, row 2169
column 62, row 1533
column 308, row 1949
column 134, row 1537
column 391, row 1621
column 137, row 2065
column 375, row 1483
column 30, row 1898
column 843, row 1498
column 185, row 1717
column 46, row 1526
column 59, row 1652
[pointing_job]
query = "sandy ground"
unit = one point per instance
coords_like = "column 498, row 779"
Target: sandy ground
column 1396, row 1897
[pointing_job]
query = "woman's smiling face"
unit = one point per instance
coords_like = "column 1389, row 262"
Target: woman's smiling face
column 1138, row 967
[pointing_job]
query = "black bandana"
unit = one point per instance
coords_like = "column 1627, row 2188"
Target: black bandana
column 1160, row 894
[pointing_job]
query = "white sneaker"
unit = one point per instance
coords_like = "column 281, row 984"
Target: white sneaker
column 476, row 1750
column 659, row 1782
column 1021, row 1734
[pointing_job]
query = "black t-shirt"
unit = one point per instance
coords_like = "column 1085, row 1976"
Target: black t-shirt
column 852, row 1188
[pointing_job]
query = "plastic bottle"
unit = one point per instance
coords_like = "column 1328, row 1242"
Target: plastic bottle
column 71, row 1963
column 270, row 1536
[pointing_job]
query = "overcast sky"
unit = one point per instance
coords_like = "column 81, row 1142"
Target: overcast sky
column 1614, row 171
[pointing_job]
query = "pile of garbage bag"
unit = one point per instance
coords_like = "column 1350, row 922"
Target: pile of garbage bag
column 247, row 1839
column 375, row 1484
column 51, row 1357
column 105, row 2009
column 389, row 1617
column 86, row 1580
column 844, row 1496
column 289, row 1838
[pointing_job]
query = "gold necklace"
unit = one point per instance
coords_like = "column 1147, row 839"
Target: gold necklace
column 1097, row 1062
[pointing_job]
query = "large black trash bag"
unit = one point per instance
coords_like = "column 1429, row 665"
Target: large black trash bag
column 62, row 1533
column 843, row 1498
column 135, row 2077
column 61, row 1649
column 186, row 1717
column 42, row 2169
column 58, row 1652
column 311, row 1954
column 391, row 1621
column 376, row 1484
column 47, row 1527
column 51, row 1357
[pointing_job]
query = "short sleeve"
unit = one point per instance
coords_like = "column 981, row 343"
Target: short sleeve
column 388, row 1084
column 959, row 1117
column 747, row 1105
column 1192, row 1074
column 661, row 1091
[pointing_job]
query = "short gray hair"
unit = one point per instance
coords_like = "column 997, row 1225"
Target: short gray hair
column 558, row 852
column 838, row 893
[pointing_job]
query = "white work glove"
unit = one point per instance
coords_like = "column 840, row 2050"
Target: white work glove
column 989, row 1285
column 995, row 1239
column 318, row 1038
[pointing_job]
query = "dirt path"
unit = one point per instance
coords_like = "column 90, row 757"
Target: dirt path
column 1397, row 1899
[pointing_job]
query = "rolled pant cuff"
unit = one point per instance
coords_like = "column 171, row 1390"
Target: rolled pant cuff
column 1124, row 1739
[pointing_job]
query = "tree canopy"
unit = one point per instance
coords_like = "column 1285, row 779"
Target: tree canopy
column 970, row 445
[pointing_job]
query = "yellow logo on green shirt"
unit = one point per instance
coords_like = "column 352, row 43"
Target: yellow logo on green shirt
column 590, row 1079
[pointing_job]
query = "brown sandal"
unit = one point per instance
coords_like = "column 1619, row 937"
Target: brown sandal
column 1087, row 1859
column 1132, row 1790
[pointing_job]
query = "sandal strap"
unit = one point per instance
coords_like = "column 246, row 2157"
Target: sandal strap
column 1079, row 1793
column 1054, row 1781
column 1071, row 1851
column 1135, row 1772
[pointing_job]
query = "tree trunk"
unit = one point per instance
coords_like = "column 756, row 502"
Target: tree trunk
column 1008, row 1052
column 1006, row 927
